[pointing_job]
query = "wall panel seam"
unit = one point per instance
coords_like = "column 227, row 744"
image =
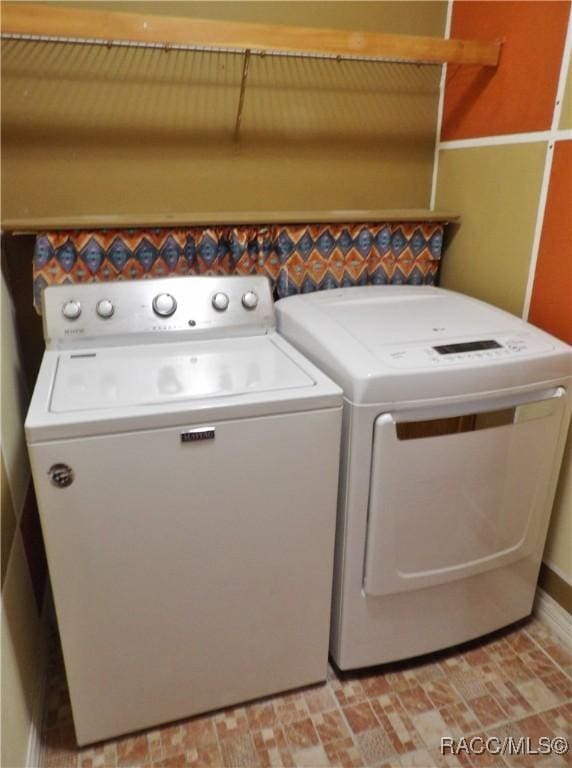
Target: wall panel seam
column 440, row 108
column 18, row 514
column 547, row 171
column 564, row 65
column 538, row 228
column 558, row 134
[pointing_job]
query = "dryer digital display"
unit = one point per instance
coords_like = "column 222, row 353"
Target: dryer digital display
column 467, row 346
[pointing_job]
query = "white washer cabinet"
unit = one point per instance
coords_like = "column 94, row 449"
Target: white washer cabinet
column 186, row 475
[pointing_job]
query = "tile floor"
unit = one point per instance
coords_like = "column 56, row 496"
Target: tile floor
column 516, row 682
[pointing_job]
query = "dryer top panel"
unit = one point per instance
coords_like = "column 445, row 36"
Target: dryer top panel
column 371, row 334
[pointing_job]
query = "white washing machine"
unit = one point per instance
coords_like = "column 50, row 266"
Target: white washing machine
column 185, row 459
column 455, row 417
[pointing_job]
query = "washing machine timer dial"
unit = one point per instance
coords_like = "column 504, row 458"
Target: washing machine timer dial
column 164, row 304
column 71, row 310
column 250, row 300
column 105, row 309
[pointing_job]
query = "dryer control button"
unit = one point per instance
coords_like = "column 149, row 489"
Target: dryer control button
column 71, row 310
column 250, row 300
column 105, row 309
column 164, row 305
column 220, row 301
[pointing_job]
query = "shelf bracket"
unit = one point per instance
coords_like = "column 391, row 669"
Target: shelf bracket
column 243, row 80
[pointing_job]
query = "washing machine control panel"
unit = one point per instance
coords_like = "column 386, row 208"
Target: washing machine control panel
column 172, row 308
column 465, row 352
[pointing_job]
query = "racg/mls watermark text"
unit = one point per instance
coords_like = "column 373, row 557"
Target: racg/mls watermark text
column 508, row 745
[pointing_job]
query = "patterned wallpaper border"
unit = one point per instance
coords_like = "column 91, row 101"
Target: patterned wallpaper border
column 296, row 258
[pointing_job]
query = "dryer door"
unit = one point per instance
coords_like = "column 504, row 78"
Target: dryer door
column 452, row 497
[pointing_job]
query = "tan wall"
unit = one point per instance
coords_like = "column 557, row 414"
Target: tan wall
column 22, row 638
column 407, row 17
column 496, row 189
column 414, row 17
column 551, row 309
column 23, row 653
column 558, row 550
column 14, row 404
column 91, row 133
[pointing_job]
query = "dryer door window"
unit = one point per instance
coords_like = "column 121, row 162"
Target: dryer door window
column 452, row 497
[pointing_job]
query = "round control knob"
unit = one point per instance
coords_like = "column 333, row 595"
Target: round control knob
column 71, row 310
column 164, row 304
column 220, row 301
column 105, row 308
column 249, row 300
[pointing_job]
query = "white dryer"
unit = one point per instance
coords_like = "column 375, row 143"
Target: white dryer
column 185, row 459
column 454, row 424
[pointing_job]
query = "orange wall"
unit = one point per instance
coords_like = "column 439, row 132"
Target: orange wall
column 501, row 200
column 551, row 305
column 518, row 96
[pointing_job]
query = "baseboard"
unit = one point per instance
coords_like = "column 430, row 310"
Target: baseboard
column 33, row 759
column 555, row 587
column 560, row 573
column 553, row 614
column 34, row 754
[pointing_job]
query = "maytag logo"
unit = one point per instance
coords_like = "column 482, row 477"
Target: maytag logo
column 193, row 435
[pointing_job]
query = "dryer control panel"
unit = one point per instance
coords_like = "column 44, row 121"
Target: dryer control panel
column 168, row 309
column 468, row 352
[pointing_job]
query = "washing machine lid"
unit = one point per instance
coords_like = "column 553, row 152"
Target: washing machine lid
column 120, row 377
column 387, row 343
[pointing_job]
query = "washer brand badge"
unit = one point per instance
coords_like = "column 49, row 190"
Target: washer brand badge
column 194, row 435
column 61, row 475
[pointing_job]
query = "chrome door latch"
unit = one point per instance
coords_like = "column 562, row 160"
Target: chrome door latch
column 61, row 475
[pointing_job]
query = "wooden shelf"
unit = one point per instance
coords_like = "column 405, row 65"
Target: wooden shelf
column 229, row 218
column 90, row 27
column 83, row 25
